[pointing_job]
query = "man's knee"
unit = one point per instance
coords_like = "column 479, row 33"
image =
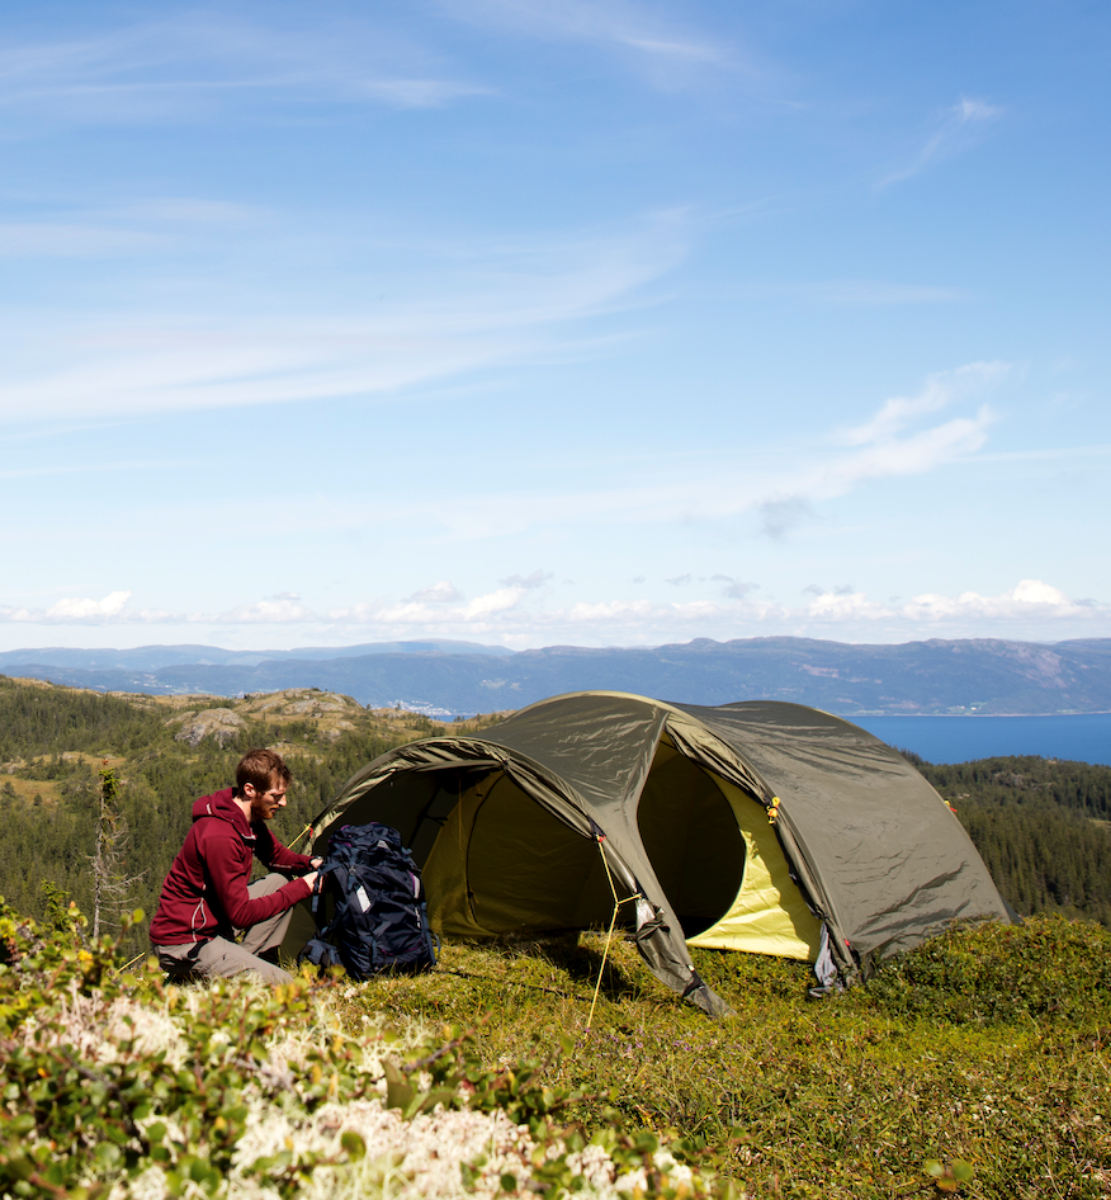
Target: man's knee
column 228, row 958
column 220, row 958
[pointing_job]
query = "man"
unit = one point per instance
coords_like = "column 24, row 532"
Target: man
column 206, row 897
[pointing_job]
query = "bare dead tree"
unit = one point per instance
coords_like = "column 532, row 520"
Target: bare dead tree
column 111, row 883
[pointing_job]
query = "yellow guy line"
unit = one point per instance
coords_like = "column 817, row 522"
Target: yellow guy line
column 609, row 936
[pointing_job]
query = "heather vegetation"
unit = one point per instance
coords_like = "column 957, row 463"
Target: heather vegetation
column 117, row 1085
column 975, row 1065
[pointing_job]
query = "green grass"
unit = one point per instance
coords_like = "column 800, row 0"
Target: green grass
column 987, row 1046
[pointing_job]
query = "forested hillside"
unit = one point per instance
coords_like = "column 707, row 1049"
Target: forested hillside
column 1042, row 826
column 162, row 753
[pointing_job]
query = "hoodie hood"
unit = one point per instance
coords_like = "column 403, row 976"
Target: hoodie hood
column 222, row 807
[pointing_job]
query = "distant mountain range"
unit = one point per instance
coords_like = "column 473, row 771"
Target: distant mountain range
column 981, row 675
column 153, row 658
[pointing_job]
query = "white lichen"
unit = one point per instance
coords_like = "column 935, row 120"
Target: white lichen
column 405, row 1159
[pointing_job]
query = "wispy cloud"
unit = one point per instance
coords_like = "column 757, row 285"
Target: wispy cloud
column 283, row 609
column 535, row 580
column 662, row 45
column 134, row 230
column 939, row 391
column 886, row 446
column 915, row 454
column 468, row 310
column 45, row 239
column 439, row 593
column 783, row 488
column 190, row 210
column 956, row 130
column 193, row 64
column 619, row 23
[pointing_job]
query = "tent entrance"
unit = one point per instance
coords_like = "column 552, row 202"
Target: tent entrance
column 494, row 861
column 768, row 914
column 690, row 834
column 719, row 862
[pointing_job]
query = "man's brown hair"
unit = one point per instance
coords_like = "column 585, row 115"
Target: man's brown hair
column 262, row 769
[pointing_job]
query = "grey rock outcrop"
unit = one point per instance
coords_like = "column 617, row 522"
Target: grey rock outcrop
column 220, row 724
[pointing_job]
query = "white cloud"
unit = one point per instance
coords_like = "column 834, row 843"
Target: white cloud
column 439, row 593
column 898, row 440
column 479, row 307
column 535, row 580
column 1031, row 610
column 1028, row 597
column 955, row 130
column 191, row 66
column 277, row 610
column 111, row 609
column 940, row 390
column 191, row 210
column 61, row 240
column 616, row 23
column 437, row 606
column 968, row 111
column 483, row 607
column 80, row 610
column 408, row 612
column 665, row 49
column 1030, row 600
column 914, row 455
column 781, row 489
column 885, row 446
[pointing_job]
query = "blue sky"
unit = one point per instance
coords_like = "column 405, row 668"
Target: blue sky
column 599, row 323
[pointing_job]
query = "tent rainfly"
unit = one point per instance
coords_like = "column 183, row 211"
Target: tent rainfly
column 759, row 826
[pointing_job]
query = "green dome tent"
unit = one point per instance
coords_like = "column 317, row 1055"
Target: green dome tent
column 759, row 826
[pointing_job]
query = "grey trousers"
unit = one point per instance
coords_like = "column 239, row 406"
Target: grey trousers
column 222, row 956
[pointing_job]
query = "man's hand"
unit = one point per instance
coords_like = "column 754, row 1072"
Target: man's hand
column 317, row 863
column 310, row 879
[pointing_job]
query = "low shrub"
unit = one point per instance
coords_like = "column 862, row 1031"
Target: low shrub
column 994, row 973
column 117, row 1085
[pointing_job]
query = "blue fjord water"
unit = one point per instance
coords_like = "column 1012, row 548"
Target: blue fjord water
column 1082, row 738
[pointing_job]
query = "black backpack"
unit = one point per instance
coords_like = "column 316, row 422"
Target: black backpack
column 381, row 920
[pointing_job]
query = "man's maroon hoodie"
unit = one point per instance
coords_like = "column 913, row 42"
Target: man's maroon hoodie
column 205, row 893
